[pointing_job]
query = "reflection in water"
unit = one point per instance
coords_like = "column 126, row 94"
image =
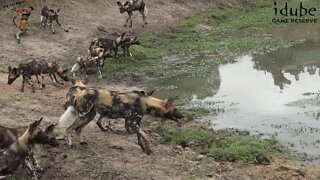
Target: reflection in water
column 294, row 60
column 185, row 86
column 256, row 92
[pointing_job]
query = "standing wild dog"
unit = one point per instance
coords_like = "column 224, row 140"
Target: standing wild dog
column 133, row 5
column 83, row 64
column 131, row 106
column 36, row 68
column 9, row 135
column 105, row 46
column 51, row 15
column 12, row 156
column 129, row 41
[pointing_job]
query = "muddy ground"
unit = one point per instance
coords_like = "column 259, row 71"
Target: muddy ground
column 109, row 155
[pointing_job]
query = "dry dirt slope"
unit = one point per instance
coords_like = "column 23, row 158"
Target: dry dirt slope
column 108, row 155
column 83, row 17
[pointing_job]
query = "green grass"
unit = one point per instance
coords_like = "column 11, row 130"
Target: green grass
column 243, row 148
column 218, row 31
column 222, row 146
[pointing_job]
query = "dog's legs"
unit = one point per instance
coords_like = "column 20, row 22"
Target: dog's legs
column 99, row 72
column 128, row 125
column 70, row 129
column 42, row 19
column 129, row 18
column 141, row 135
column 29, row 167
column 51, row 26
column 42, row 78
column 142, row 12
column 101, row 127
column 84, row 121
column 55, row 77
column 25, row 78
column 23, row 81
column 34, row 161
column 78, row 124
column 66, row 30
column 39, row 83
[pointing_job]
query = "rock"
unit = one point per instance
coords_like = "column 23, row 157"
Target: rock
column 200, row 157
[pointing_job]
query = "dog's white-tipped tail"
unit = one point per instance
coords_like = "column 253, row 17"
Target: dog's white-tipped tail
column 67, row 116
column 66, row 119
column 145, row 10
column 75, row 67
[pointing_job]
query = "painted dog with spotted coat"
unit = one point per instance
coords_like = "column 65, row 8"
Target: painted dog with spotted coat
column 133, row 5
column 131, row 106
column 9, row 135
column 51, row 15
column 36, row 68
column 17, row 153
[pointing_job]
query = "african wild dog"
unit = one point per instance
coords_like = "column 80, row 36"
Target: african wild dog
column 131, row 106
column 37, row 68
column 9, row 135
column 78, row 86
column 105, row 46
column 129, row 41
column 133, row 5
column 83, row 64
column 51, row 15
column 12, row 156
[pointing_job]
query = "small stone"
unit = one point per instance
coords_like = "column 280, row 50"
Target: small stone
column 200, row 157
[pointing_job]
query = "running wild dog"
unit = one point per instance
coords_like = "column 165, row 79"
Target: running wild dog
column 133, row 5
column 104, row 46
column 36, row 68
column 83, row 64
column 51, row 15
column 131, row 106
column 12, row 156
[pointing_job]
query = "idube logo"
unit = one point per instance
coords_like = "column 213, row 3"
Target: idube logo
column 293, row 13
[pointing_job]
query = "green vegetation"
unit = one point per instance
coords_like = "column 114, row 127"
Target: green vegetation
column 222, row 146
column 219, row 32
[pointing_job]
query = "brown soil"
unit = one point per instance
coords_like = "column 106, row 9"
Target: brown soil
column 109, row 155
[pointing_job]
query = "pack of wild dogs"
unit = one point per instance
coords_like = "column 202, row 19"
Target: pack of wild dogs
column 82, row 103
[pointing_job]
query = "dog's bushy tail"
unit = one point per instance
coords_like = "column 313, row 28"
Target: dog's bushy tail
column 75, row 67
column 67, row 116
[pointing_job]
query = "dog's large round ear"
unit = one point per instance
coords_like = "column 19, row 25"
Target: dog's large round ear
column 170, row 101
column 119, row 4
column 126, row 4
column 123, row 35
column 14, row 70
column 50, row 128
column 10, row 69
column 33, row 126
